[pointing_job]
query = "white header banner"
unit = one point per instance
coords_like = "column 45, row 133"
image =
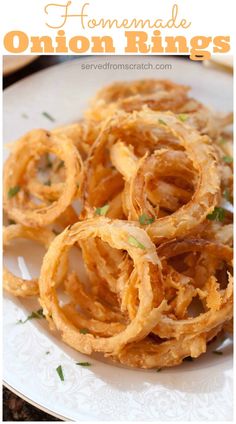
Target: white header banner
column 117, row 27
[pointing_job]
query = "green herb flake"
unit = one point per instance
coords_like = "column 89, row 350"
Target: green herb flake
column 34, row 315
column 48, row 116
column 183, row 117
column 102, row 211
column 47, row 353
column 162, row 122
column 60, row 372
column 24, row 115
column 13, row 191
column 83, row 331
column 217, row 352
column 222, row 140
column 226, row 195
column 84, row 364
column 134, row 242
column 227, row 159
column 145, row 219
column 159, row 370
column 218, row 214
column 188, row 359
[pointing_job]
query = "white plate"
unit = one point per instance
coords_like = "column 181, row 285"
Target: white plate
column 199, row 390
column 12, row 63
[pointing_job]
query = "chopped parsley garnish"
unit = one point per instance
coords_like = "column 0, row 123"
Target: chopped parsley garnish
column 188, row 359
column 13, row 191
column 48, row 116
column 60, row 372
column 227, row 159
column 226, row 195
column 183, row 117
column 34, row 315
column 159, row 370
column 102, row 211
column 217, row 352
column 218, row 214
column 222, row 140
column 47, row 353
column 84, row 364
column 145, row 219
column 83, row 331
column 134, row 242
column 162, row 122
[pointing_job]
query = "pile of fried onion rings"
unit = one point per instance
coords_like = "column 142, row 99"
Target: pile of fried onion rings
column 141, row 189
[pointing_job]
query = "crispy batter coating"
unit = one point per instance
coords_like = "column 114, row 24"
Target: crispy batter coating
column 140, row 191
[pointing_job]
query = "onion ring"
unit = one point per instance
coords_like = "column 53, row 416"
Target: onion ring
column 18, row 286
column 117, row 234
column 35, row 143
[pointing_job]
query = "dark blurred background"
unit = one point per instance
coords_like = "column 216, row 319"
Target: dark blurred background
column 41, row 62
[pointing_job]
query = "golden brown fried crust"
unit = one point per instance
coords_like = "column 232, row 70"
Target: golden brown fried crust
column 152, row 170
